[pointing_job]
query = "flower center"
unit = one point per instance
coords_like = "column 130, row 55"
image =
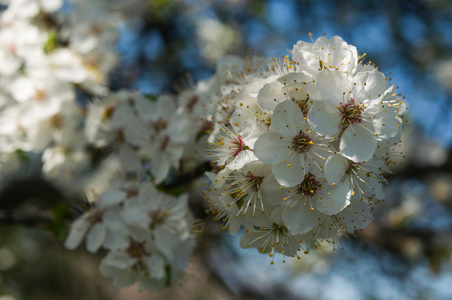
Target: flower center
column 303, row 104
column 165, row 143
column 254, row 181
column 309, row 186
column 238, row 146
column 353, row 167
column 95, row 218
column 157, row 218
column 107, row 113
column 350, row 113
column 192, row 102
column 56, row 121
column 135, row 249
column 160, row 124
column 301, row 143
column 40, row 95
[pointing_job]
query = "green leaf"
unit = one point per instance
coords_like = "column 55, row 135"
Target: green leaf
column 22, row 155
column 200, row 135
column 168, row 275
column 51, row 43
column 150, row 97
column 61, row 213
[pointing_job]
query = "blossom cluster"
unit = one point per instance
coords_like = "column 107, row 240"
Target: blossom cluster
column 298, row 146
column 43, row 69
column 301, row 153
column 147, row 232
column 50, row 59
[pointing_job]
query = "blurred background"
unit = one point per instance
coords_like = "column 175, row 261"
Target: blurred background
column 405, row 253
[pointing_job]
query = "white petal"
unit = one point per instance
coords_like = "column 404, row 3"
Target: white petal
column 356, row 216
column 369, row 85
column 339, row 199
column 77, row 233
column 299, row 218
column 335, row 167
column 147, row 194
column 358, row 143
column 121, row 278
column 384, row 119
column 304, row 55
column 290, row 172
column 166, row 106
column 276, row 215
column 248, row 93
column 293, row 77
column 242, row 159
column 259, row 220
column 110, row 198
column 334, row 85
column 51, row 6
column 160, row 168
column 252, row 239
column 166, row 242
column 375, row 187
column 271, row 190
column 234, row 225
column 119, row 260
column 180, row 129
column 96, row 237
column 146, row 109
column 271, row 147
column 271, row 95
column 286, row 117
column 325, row 118
column 174, row 153
column 156, row 266
column 118, row 239
column 345, row 57
column 386, row 126
column 135, row 214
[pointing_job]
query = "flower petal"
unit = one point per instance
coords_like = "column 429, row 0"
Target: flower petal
column 77, row 233
column 358, row 143
column 286, row 117
column 271, row 95
column 295, row 77
column 339, row 199
column 356, row 216
column 384, row 119
column 271, row 147
column 335, row 167
column 155, row 265
column 369, row 85
column 254, row 239
column 334, row 85
column 110, row 198
column 160, row 168
column 118, row 259
column 299, row 218
column 290, row 172
column 242, row 159
column 96, row 237
column 324, row 118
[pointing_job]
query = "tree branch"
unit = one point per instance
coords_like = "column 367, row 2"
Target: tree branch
column 16, row 217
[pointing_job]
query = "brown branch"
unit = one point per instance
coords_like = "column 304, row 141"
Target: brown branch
column 17, row 217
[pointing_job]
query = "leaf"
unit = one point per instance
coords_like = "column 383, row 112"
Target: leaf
column 51, row 43
column 60, row 213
